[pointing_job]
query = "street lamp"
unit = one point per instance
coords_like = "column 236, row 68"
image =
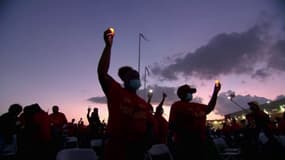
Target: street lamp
column 150, row 92
column 149, row 95
column 231, row 97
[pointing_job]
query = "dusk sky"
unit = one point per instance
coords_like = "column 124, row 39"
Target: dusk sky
column 49, row 50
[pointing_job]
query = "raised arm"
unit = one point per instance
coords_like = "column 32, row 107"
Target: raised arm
column 213, row 100
column 88, row 113
column 149, row 96
column 162, row 100
column 104, row 61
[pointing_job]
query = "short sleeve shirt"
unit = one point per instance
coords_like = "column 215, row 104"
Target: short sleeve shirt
column 129, row 115
column 188, row 119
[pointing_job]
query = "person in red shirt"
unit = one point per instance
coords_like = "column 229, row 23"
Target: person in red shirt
column 162, row 124
column 58, row 119
column 260, row 119
column 131, row 125
column 262, row 141
column 57, row 122
column 187, row 123
column 35, row 143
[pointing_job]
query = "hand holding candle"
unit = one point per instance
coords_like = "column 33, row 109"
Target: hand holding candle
column 217, row 82
column 109, row 35
column 149, row 93
column 112, row 31
column 217, row 85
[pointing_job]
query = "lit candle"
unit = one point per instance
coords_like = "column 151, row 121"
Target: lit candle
column 150, row 91
column 112, row 30
column 217, row 82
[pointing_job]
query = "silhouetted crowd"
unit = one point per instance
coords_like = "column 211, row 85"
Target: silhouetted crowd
column 31, row 133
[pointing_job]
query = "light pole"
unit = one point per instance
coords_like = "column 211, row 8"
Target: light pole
column 146, row 72
column 139, row 56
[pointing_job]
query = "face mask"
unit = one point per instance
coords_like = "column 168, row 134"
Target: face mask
column 189, row 97
column 133, row 84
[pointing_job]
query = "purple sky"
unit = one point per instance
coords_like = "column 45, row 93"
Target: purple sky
column 49, row 50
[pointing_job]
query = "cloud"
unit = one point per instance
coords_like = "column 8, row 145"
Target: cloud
column 224, row 105
column 157, row 95
column 98, row 99
column 156, row 98
column 277, row 59
column 229, row 53
column 261, row 73
column 224, row 54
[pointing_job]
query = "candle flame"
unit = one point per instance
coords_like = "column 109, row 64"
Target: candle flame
column 112, row 30
column 217, row 82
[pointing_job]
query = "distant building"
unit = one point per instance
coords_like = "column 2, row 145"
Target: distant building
column 274, row 109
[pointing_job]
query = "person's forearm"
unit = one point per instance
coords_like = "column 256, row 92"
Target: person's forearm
column 161, row 102
column 212, row 102
column 104, row 61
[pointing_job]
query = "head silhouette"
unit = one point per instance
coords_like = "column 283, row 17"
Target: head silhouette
column 253, row 106
column 95, row 110
column 15, row 109
column 55, row 109
column 130, row 77
column 183, row 91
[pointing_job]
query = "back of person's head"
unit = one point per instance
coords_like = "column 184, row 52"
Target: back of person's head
column 36, row 107
column 123, row 71
column 253, row 105
column 126, row 73
column 55, row 109
column 31, row 110
column 15, row 109
column 95, row 110
column 183, row 90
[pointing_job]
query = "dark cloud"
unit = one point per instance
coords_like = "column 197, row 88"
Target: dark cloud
column 277, row 59
column 225, row 53
column 98, row 99
column 261, row 73
column 238, row 103
column 157, row 95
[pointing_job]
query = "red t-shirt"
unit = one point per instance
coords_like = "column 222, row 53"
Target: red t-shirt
column 42, row 124
column 129, row 114
column 58, row 120
column 129, row 118
column 187, row 118
column 162, row 129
